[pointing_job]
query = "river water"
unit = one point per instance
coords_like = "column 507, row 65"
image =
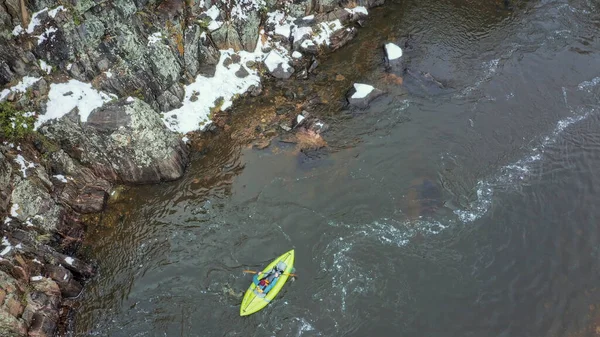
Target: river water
column 463, row 211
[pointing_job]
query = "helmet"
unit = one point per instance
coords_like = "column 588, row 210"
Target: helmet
column 281, row 266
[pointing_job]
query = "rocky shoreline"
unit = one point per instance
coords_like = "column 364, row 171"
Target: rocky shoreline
column 104, row 93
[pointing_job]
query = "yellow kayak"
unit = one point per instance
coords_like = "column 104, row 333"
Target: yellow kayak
column 254, row 300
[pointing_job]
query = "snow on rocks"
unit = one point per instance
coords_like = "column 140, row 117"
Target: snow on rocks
column 45, row 67
column 21, row 87
column 24, row 164
column 278, row 64
column 14, row 210
column 64, row 97
column 281, row 22
column 69, row 260
column 206, row 93
column 393, row 56
column 357, row 10
column 48, row 34
column 361, row 95
column 7, row 247
column 214, row 13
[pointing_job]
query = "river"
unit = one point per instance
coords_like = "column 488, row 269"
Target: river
column 464, row 211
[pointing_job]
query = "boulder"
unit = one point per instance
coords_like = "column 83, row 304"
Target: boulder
column 278, row 65
column 123, row 141
column 361, row 95
column 32, row 203
column 393, row 56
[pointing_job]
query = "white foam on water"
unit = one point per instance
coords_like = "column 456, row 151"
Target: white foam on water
column 515, row 175
column 490, row 69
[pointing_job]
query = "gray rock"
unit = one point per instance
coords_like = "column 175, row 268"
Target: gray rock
column 133, row 149
column 36, row 205
column 168, row 101
column 342, row 37
column 362, row 100
column 227, row 37
column 164, row 64
column 393, row 61
column 191, row 50
column 248, row 31
column 242, row 72
column 5, row 183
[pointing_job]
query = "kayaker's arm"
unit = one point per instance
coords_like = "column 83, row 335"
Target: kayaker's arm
column 255, row 280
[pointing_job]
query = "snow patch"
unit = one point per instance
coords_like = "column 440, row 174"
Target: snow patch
column 357, row 9
column 327, row 29
column 282, row 22
column 108, row 74
column 393, row 51
column 155, row 37
column 24, row 164
column 52, row 13
column 130, row 99
column 64, row 97
column 185, row 139
column 45, row 67
column 69, row 260
column 276, row 58
column 48, row 34
column 6, row 250
column 362, row 90
column 22, row 86
column 308, row 18
column 61, row 178
column 214, row 13
column 37, row 278
column 222, row 87
column 301, row 32
column 299, row 119
column 297, row 54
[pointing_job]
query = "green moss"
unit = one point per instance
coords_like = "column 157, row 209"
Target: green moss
column 15, row 125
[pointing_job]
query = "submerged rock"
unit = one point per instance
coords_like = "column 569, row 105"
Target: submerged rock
column 424, row 198
column 361, row 95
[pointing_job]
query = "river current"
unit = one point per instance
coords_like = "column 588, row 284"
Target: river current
column 463, row 210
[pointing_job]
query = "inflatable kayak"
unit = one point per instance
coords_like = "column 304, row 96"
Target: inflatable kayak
column 255, row 299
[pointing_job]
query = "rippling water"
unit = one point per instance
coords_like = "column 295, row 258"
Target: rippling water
column 464, row 211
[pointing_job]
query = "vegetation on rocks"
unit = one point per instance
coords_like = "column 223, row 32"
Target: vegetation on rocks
column 15, row 124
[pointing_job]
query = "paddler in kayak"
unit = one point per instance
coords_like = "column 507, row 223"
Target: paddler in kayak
column 265, row 281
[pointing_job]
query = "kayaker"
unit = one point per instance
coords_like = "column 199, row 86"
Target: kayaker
column 265, row 283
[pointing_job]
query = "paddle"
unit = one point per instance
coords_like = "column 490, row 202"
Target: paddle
column 255, row 272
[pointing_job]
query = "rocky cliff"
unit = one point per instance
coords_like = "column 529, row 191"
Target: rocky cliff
column 100, row 93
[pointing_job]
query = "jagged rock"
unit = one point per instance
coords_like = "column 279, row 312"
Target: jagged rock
column 361, row 95
column 164, row 64
column 248, row 31
column 36, row 205
column 5, row 188
column 227, row 37
column 278, row 65
column 11, row 326
column 323, row 6
column 123, row 142
column 167, row 101
column 191, row 50
column 64, row 278
column 83, row 190
column 341, row 37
